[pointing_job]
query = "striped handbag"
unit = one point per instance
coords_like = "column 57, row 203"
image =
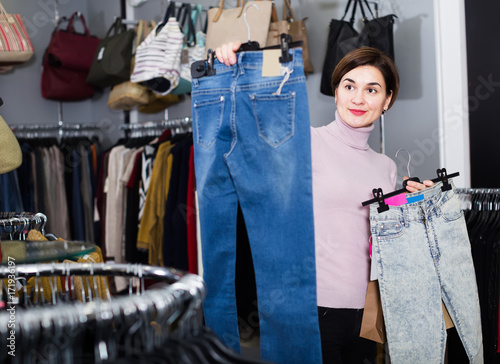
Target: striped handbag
column 15, row 44
column 158, row 57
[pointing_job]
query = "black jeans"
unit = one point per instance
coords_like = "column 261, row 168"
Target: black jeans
column 340, row 341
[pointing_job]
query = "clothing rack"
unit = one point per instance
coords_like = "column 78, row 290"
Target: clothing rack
column 481, row 209
column 122, row 327
column 35, row 131
column 179, row 125
column 472, row 191
column 480, row 199
column 17, row 224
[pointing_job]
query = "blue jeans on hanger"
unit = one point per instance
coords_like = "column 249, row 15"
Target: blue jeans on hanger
column 424, row 256
column 252, row 147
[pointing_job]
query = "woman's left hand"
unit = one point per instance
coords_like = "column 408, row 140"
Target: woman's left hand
column 413, row 186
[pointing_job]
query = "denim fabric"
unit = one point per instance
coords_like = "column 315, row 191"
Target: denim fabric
column 252, row 146
column 424, row 255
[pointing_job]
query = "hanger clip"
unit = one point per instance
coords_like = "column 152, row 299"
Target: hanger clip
column 379, row 196
column 443, row 176
column 285, row 40
column 204, row 68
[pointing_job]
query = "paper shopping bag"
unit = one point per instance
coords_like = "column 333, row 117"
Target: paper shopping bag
column 372, row 324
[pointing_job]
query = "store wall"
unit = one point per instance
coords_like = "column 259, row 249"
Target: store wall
column 411, row 124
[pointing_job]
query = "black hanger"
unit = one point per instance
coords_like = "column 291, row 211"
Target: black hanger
column 206, row 67
column 380, row 197
column 1, row 101
column 286, row 42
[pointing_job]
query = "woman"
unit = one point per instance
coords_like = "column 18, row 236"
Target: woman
column 345, row 170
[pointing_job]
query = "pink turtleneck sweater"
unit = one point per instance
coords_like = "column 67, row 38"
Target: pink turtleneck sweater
column 345, row 171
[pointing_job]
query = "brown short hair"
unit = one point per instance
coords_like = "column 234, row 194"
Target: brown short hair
column 368, row 56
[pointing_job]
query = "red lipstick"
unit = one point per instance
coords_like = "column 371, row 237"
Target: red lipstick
column 357, row 112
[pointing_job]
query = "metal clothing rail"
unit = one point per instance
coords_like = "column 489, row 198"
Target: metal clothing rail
column 479, row 199
column 168, row 275
column 17, row 223
column 34, row 131
column 148, row 319
column 471, row 191
column 154, row 128
column 163, row 124
column 51, row 127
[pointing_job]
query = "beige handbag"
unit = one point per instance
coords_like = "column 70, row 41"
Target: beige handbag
column 227, row 25
column 10, row 152
column 129, row 95
column 296, row 28
column 15, row 44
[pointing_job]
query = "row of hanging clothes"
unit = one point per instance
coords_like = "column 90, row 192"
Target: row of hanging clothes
column 81, row 322
column 18, row 225
column 145, row 198
column 57, row 177
column 481, row 208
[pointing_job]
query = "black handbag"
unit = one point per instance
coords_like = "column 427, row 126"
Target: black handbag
column 343, row 38
column 113, row 57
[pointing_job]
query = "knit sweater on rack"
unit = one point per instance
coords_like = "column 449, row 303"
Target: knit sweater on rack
column 345, row 171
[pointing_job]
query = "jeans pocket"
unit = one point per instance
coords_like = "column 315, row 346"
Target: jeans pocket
column 451, row 209
column 207, row 119
column 390, row 229
column 275, row 116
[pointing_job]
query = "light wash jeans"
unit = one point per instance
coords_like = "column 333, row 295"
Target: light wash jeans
column 423, row 256
column 252, row 146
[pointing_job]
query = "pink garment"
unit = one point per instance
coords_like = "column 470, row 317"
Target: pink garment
column 345, row 171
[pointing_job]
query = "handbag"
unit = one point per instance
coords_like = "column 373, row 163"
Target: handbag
column 70, row 49
column 186, row 23
column 241, row 23
column 64, row 74
column 15, row 44
column 10, row 152
column 157, row 58
column 112, row 59
column 296, row 28
column 63, row 84
column 372, row 323
column 201, row 36
column 343, row 38
column 157, row 103
column 129, row 95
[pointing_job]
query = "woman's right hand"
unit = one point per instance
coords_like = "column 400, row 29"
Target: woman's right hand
column 226, row 52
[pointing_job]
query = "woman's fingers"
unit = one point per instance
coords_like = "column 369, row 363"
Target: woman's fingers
column 226, row 52
column 413, row 186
